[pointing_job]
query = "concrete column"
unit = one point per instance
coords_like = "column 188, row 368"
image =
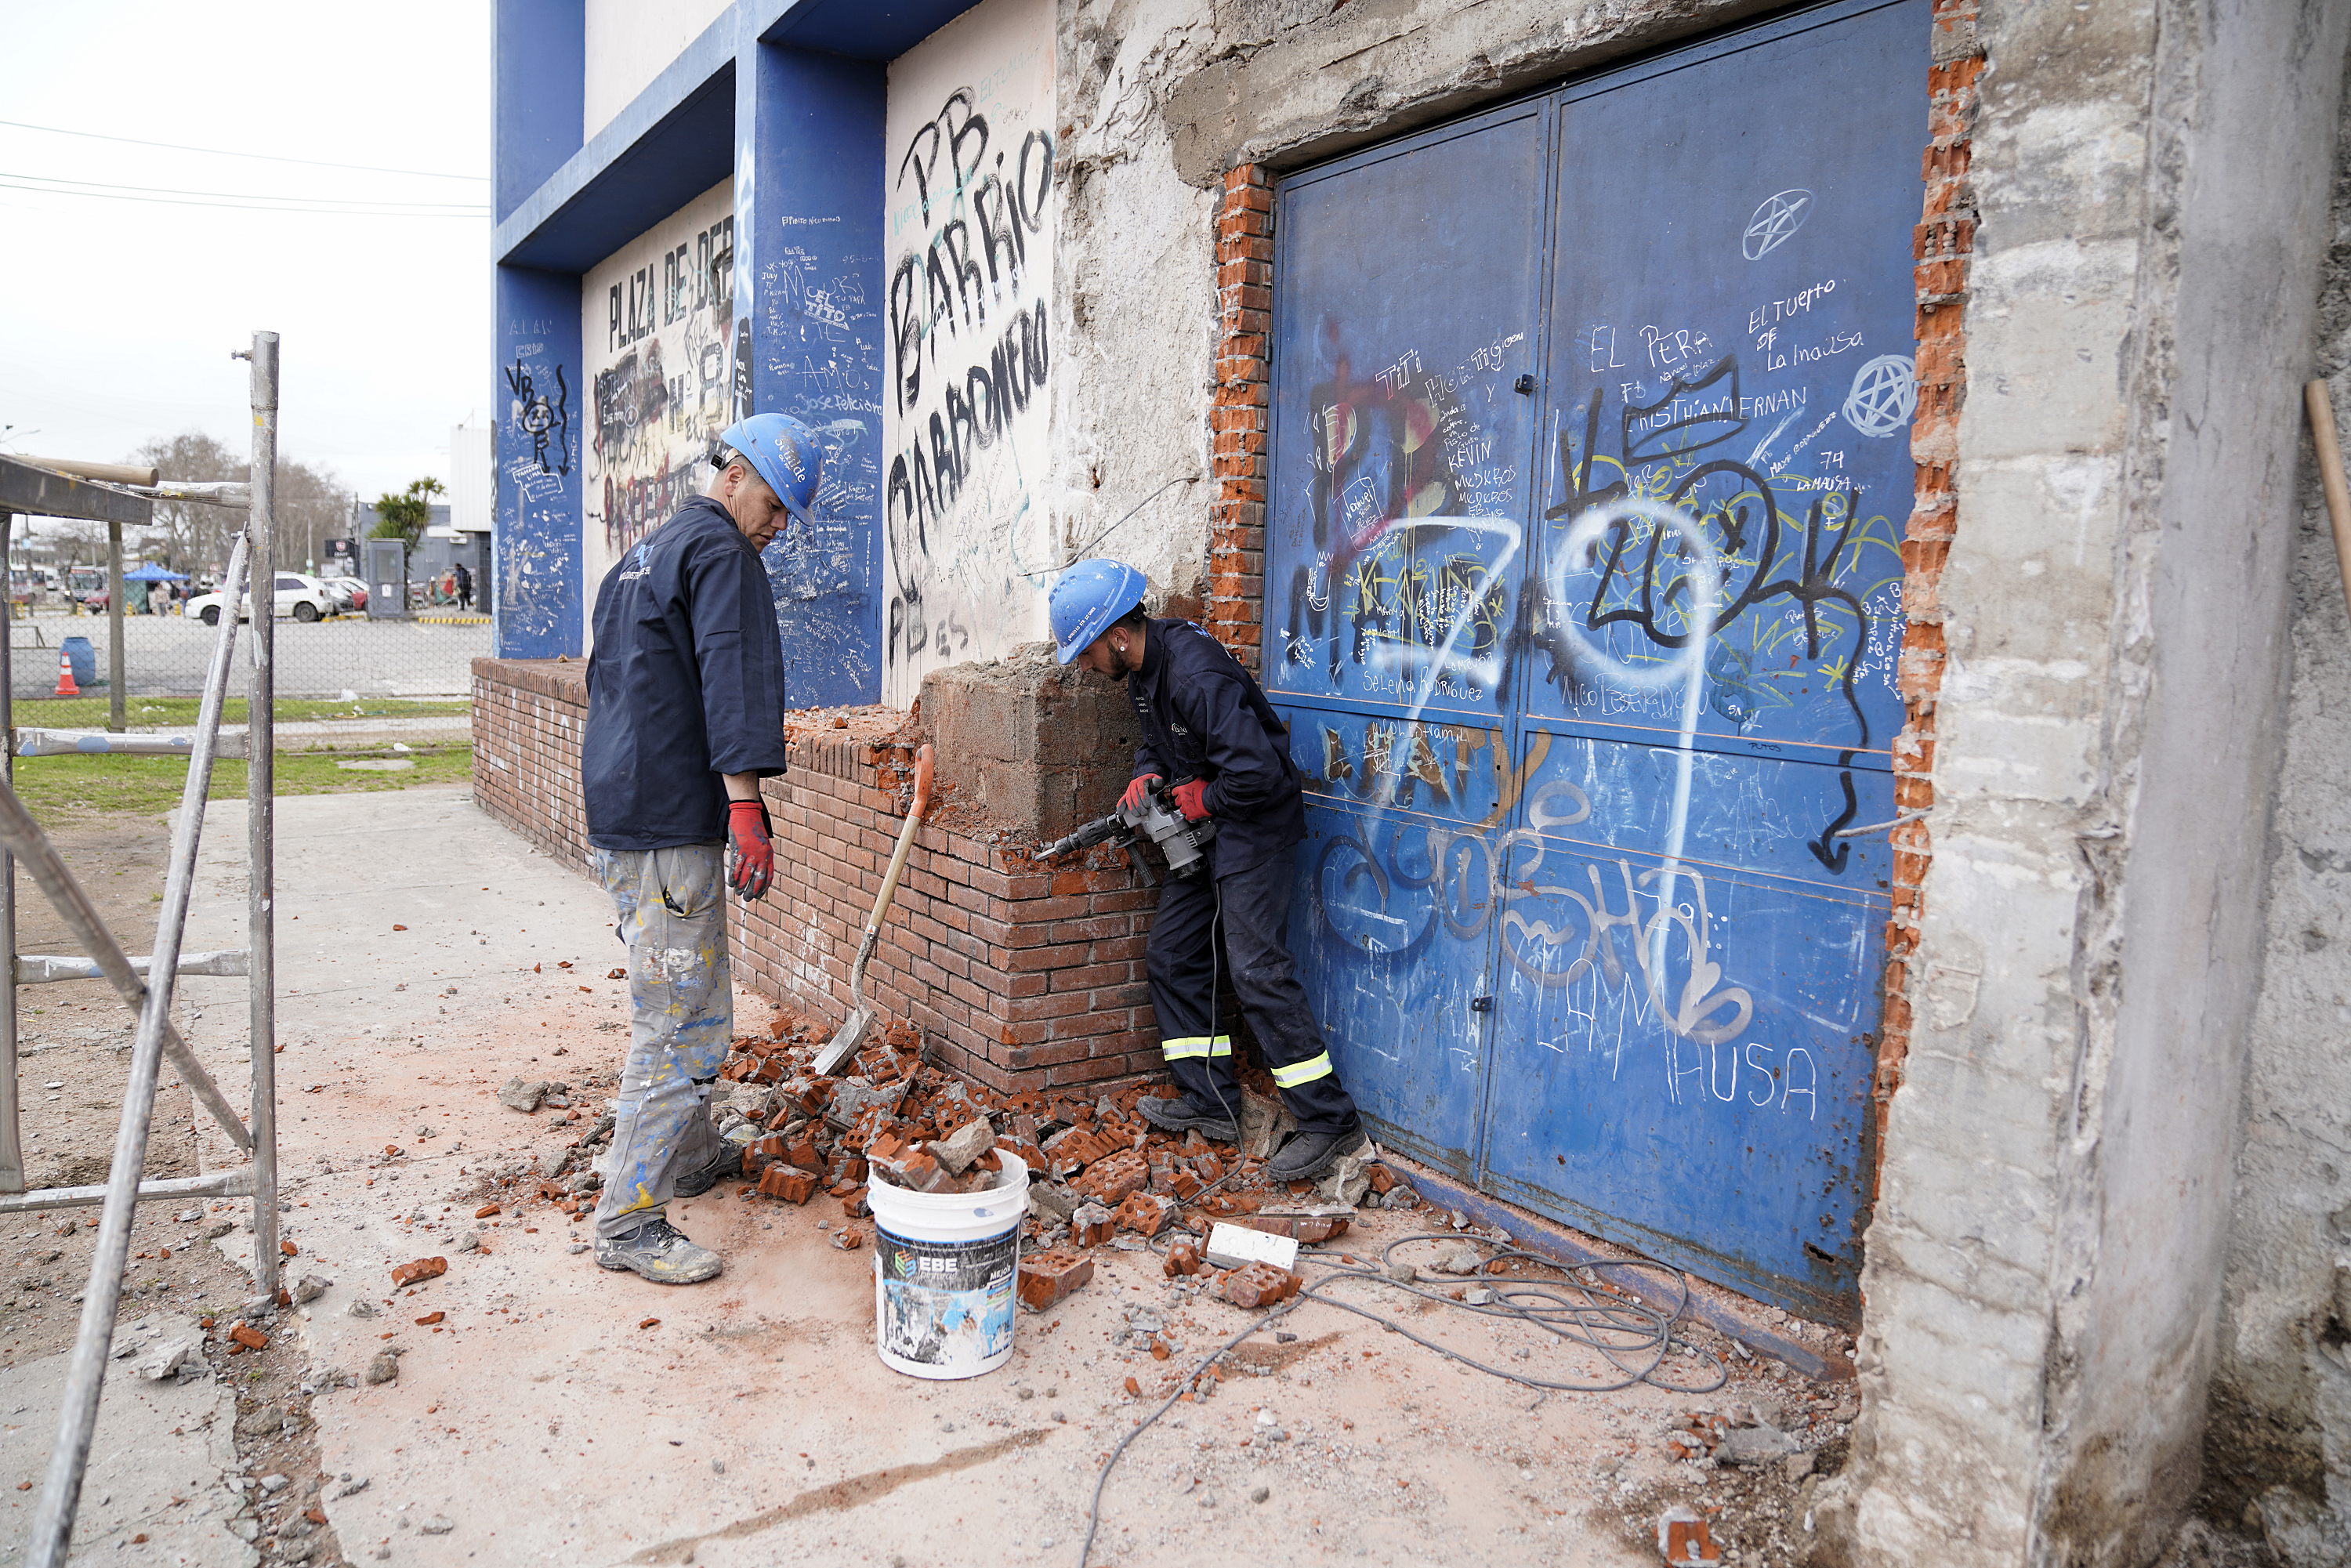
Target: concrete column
column 2043, row 1267
column 808, row 341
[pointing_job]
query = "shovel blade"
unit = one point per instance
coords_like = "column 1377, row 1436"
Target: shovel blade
column 844, row 1043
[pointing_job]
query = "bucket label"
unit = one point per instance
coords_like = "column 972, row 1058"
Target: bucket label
column 947, row 1304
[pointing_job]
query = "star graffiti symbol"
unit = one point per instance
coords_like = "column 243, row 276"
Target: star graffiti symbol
column 1780, row 217
column 1885, row 393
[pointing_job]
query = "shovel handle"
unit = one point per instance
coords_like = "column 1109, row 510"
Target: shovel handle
column 2330, row 474
column 906, row 843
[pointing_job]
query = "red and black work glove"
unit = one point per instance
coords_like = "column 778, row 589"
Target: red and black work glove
column 1136, row 791
column 751, row 860
column 1190, row 801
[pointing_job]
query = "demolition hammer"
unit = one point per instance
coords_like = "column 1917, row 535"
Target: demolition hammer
column 1155, row 818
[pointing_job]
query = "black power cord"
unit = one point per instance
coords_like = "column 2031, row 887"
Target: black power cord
column 1633, row 1337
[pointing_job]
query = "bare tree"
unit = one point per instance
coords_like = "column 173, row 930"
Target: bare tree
column 312, row 504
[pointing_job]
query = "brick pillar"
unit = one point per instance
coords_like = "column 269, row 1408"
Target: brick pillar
column 1941, row 245
column 1237, row 417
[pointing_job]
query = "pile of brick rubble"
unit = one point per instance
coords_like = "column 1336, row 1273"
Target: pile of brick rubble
column 1098, row 1175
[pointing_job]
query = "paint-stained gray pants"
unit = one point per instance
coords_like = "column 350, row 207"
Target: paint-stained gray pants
column 671, row 913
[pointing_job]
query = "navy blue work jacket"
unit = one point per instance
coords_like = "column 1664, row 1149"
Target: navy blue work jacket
column 1205, row 718
column 686, row 682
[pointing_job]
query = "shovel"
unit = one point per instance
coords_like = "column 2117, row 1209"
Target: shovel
column 854, row 1029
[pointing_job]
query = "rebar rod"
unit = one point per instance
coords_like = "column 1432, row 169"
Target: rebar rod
column 86, row 1371
column 261, row 872
column 12, row 1108
column 234, row 1183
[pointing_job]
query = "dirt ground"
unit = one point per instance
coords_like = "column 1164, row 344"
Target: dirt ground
column 528, row 1406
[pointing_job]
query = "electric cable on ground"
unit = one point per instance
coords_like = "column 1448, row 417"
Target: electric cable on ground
column 1599, row 1311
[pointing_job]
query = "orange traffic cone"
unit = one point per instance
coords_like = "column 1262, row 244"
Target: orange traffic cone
column 66, row 687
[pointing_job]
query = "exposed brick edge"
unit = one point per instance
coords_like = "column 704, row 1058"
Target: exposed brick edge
column 1240, row 412
column 1023, row 975
column 1942, row 247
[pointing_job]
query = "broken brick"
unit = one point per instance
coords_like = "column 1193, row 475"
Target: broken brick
column 1109, row 1179
column 1047, row 1277
column 420, row 1270
column 289, row 1248
column 1182, row 1259
column 1308, row 1228
column 1145, row 1213
column 487, row 1210
column 1258, row 1285
column 429, row 1319
column 854, row 1204
column 848, row 1240
column 1683, row 1536
column 1383, row 1179
column 793, row 1185
column 248, row 1336
column 1091, row 1224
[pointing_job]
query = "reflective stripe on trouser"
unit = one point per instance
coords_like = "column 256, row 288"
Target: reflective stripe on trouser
column 671, row 910
column 1196, row 1046
column 1181, row 960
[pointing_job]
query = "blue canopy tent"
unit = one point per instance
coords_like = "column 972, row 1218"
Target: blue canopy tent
column 144, row 574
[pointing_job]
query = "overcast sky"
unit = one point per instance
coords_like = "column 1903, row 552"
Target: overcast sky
column 119, row 314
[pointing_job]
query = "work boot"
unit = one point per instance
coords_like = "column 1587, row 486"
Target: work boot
column 658, row 1252
column 726, row 1165
column 1178, row 1114
column 1307, row 1156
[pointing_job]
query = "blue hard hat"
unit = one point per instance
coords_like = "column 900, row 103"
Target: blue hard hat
column 784, row 452
column 1087, row 598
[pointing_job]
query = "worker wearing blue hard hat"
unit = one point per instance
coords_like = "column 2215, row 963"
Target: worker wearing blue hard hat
column 1207, row 726
column 685, row 716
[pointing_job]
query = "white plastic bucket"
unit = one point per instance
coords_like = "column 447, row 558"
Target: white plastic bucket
column 944, row 1266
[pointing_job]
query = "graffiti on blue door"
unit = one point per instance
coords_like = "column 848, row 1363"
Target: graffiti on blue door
column 1583, row 601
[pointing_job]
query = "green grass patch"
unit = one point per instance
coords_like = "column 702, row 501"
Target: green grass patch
column 140, row 713
column 59, row 790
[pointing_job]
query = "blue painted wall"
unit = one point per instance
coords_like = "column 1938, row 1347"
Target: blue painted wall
column 808, row 271
column 540, row 68
column 535, row 603
column 802, row 128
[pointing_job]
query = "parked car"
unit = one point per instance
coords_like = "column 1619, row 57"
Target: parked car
column 303, row 597
column 350, row 594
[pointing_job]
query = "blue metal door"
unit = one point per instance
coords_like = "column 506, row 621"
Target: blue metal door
column 1396, row 555
column 1590, row 751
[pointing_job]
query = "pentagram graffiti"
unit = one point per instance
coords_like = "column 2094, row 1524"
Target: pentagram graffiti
column 1885, row 393
column 1775, row 222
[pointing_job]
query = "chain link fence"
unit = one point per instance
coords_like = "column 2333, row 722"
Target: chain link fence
column 429, row 654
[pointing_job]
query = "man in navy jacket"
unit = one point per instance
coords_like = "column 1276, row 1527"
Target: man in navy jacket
column 685, row 716
column 1207, row 726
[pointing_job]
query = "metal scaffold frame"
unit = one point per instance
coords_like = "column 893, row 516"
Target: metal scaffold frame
column 149, row 984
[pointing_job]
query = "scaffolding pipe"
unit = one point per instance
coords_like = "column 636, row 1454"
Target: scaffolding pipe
column 219, row 1184
column 260, row 815
column 12, row 1109
column 114, row 719
column 52, row 1535
column 48, row 968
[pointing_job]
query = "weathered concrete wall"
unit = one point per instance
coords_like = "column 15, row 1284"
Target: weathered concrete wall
column 2042, row 1282
column 970, row 201
column 1159, row 99
column 2281, row 1390
column 657, row 322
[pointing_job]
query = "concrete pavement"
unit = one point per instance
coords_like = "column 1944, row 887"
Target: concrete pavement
column 560, row 1413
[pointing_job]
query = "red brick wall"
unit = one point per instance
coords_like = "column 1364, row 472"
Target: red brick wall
column 527, row 714
column 1021, row 975
column 1941, row 246
column 1238, row 418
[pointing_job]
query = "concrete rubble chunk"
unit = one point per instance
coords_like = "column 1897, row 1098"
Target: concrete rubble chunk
column 523, row 1094
column 1755, row 1444
column 310, row 1286
column 1351, row 1179
column 1052, row 1202
column 178, row 1348
column 964, row 1144
column 385, row 1369
column 1456, row 1257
